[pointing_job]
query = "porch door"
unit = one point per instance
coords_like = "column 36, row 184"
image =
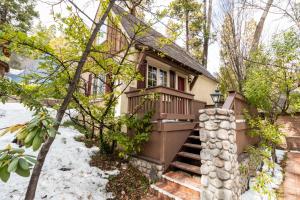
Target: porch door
column 181, row 84
column 181, row 87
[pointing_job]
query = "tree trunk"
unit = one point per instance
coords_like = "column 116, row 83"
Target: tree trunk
column 207, row 26
column 260, row 26
column 30, row 194
column 187, row 31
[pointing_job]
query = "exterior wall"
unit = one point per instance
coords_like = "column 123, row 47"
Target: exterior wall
column 203, row 88
column 290, row 126
column 220, row 168
column 122, row 106
column 243, row 140
column 165, row 141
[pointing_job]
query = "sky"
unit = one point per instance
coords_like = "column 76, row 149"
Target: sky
column 275, row 23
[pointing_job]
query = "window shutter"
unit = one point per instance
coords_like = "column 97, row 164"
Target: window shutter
column 143, row 70
column 172, row 79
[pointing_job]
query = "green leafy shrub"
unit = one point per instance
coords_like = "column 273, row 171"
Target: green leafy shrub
column 264, row 152
column 138, row 133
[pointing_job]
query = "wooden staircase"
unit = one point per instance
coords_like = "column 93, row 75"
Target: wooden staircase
column 184, row 182
column 188, row 158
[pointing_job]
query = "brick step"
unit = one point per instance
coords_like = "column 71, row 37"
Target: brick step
column 196, row 146
column 186, row 167
column 184, row 179
column 177, row 186
column 189, row 155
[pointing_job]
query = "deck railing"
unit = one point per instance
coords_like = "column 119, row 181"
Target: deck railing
column 169, row 104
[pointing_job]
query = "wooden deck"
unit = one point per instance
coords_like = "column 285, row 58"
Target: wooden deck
column 169, row 103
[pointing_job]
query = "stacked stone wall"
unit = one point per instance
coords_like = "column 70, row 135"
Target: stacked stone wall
column 219, row 164
column 152, row 170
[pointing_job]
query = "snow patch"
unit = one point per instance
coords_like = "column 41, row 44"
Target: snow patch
column 66, row 174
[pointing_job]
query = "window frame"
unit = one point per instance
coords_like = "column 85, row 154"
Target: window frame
column 148, row 78
column 98, row 85
column 161, row 79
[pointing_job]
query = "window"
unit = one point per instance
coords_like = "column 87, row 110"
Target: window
column 152, row 76
column 163, row 78
column 99, row 85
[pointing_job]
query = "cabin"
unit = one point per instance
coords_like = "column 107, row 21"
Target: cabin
column 183, row 85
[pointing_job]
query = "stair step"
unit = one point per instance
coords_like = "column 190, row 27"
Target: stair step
column 187, row 167
column 196, row 146
column 169, row 190
column 184, row 179
column 195, row 137
column 189, row 155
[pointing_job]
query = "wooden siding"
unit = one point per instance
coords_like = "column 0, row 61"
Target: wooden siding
column 239, row 105
column 115, row 38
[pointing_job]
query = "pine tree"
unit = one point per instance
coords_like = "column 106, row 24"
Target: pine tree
column 187, row 15
column 18, row 13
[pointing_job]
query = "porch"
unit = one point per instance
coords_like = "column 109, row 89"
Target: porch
column 169, row 104
column 176, row 116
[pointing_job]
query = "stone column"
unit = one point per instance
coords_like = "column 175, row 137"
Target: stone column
column 219, row 164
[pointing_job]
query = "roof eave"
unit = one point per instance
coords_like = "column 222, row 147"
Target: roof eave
column 142, row 46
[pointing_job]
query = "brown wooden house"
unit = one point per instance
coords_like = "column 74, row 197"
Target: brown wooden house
column 183, row 85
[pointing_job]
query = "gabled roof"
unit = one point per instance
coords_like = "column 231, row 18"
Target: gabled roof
column 151, row 39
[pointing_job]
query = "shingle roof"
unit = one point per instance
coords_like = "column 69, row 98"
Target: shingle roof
column 152, row 37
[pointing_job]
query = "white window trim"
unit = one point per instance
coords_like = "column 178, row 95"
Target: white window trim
column 147, row 73
column 98, row 85
column 158, row 82
column 167, row 69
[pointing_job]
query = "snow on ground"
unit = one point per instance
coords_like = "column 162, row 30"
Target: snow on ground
column 80, row 181
column 277, row 180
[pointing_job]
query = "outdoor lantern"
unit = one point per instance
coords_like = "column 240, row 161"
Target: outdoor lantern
column 217, row 97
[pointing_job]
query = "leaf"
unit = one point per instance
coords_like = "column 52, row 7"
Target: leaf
column 52, row 132
column 20, row 151
column 4, row 132
column 4, row 174
column 13, row 165
column 23, row 164
column 30, row 136
column 37, row 141
column 22, row 172
column 4, row 156
column 30, row 159
column 16, row 127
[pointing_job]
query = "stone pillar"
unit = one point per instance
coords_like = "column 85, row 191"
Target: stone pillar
column 219, row 164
